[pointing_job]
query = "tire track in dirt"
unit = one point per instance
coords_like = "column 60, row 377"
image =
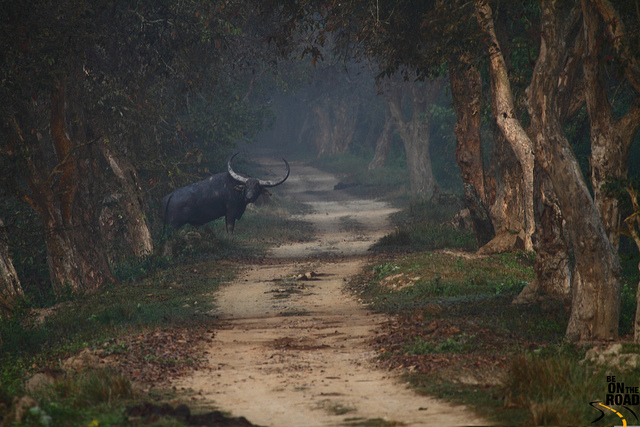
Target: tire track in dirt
column 294, row 351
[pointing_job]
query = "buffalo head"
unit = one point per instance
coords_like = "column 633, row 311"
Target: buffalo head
column 253, row 187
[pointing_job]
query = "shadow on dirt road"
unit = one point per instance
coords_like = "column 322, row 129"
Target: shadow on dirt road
column 293, row 347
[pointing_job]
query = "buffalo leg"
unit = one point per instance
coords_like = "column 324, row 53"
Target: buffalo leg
column 231, row 223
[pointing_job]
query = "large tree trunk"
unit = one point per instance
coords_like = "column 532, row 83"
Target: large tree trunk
column 633, row 225
column 611, row 138
column 64, row 196
column 10, row 289
column 415, row 133
column 553, row 267
column 136, row 228
column 596, row 292
column 504, row 114
column 507, row 210
column 479, row 190
column 596, row 287
column 383, row 144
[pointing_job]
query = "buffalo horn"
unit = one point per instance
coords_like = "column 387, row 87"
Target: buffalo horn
column 263, row 183
column 234, row 175
column 278, row 181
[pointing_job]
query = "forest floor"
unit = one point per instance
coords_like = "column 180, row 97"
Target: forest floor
column 292, row 347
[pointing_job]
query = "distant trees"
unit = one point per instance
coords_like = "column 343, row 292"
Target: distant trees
column 415, row 129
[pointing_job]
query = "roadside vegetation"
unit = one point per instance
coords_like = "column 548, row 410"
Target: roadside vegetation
column 455, row 333
column 88, row 360
column 391, row 181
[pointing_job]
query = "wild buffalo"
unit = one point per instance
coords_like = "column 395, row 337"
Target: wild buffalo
column 225, row 194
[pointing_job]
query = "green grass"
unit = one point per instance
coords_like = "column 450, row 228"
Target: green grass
column 461, row 343
column 153, row 294
column 443, row 277
column 453, row 318
column 163, row 299
column 424, row 226
column 556, row 389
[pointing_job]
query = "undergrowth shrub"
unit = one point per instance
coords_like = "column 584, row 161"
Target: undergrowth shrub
column 426, row 225
column 556, row 389
column 461, row 343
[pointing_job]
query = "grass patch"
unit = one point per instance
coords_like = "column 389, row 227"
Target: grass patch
column 444, row 279
column 487, row 402
column 461, row 343
column 390, row 182
column 455, row 326
column 425, row 226
column 163, row 299
column 556, row 389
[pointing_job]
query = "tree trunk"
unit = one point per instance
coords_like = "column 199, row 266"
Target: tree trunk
column 553, row 267
column 633, row 225
column 63, row 195
column 596, row 292
column 611, row 138
column 466, row 91
column 504, row 114
column 137, row 231
column 507, row 211
column 336, row 123
column 415, row 134
column 383, row 144
column 10, row 289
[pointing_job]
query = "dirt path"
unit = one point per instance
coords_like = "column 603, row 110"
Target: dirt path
column 293, row 352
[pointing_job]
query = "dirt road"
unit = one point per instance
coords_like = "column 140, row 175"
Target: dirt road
column 293, row 351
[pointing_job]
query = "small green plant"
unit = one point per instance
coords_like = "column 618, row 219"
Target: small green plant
column 420, row 346
column 115, row 348
column 510, row 287
column 383, row 270
column 461, row 343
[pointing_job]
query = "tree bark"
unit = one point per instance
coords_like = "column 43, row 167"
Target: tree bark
column 10, row 289
column 596, row 285
column 136, row 226
column 336, row 124
column 633, row 226
column 466, row 92
column 383, row 144
column 504, row 114
column 415, row 133
column 611, row 138
column 553, row 267
column 507, row 210
column 63, row 195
